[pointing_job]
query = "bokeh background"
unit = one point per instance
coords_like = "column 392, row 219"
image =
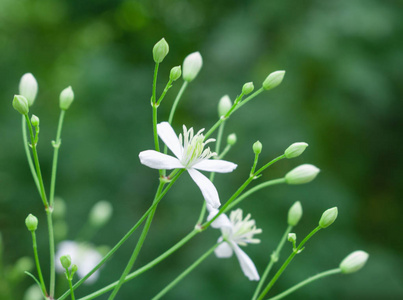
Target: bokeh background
column 341, row 94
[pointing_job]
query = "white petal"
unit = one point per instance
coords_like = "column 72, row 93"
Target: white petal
column 223, row 250
column 221, row 221
column 160, row 161
column 247, row 265
column 207, row 188
column 215, row 165
column 168, row 135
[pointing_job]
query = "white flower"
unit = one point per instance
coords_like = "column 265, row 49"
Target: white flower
column 236, row 231
column 190, row 155
column 83, row 255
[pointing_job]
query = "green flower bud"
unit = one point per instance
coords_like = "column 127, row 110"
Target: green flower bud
column 28, row 87
column 65, row 260
column 295, row 150
column 176, row 73
column 302, row 174
column 100, row 213
column 20, row 104
column 354, row 262
column 160, row 50
column 328, row 217
column 31, row 222
column 231, row 139
column 257, row 147
column 273, row 80
column 247, row 88
column 66, row 98
column 191, row 66
column 292, row 237
column 74, row 269
column 35, row 121
column 224, row 105
column 294, row 214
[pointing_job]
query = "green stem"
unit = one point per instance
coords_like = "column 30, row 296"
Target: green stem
column 71, row 290
column 287, row 262
column 178, row 97
column 185, row 273
column 29, row 158
column 225, row 151
column 51, row 252
column 167, row 87
column 38, row 266
column 273, row 259
column 305, row 282
column 56, row 146
column 252, row 171
column 259, row 91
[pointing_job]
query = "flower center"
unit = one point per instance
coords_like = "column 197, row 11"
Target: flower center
column 243, row 230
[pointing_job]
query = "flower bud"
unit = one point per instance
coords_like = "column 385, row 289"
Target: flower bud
column 328, row 217
column 191, row 66
column 175, row 73
column 294, row 214
column 20, row 104
column 231, row 139
column 295, row 150
column 28, row 87
column 354, row 262
column 247, row 88
column 74, row 269
column 273, row 80
column 65, row 260
column 301, row 174
column 257, row 147
column 31, row 222
column 35, row 121
column 224, row 105
column 100, row 213
column 66, row 98
column 292, row 237
column 160, row 50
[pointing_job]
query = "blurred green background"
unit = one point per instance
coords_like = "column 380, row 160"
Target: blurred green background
column 341, row 94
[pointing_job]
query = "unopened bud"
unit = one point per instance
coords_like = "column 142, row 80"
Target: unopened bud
column 66, row 98
column 175, row 73
column 273, row 80
column 302, row 174
column 20, row 104
column 231, row 139
column 28, row 87
column 35, row 121
column 247, row 88
column 74, row 269
column 224, row 105
column 31, row 222
column 191, row 66
column 354, row 262
column 100, row 213
column 160, row 50
column 257, row 147
column 65, row 260
column 328, row 217
column 295, row 150
column 294, row 214
column 292, row 237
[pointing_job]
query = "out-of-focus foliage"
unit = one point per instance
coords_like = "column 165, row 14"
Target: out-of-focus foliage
column 341, row 94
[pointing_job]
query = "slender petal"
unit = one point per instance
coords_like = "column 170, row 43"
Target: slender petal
column 215, row 165
column 207, row 188
column 156, row 160
column 169, row 137
column 223, row 250
column 221, row 221
column 247, row 265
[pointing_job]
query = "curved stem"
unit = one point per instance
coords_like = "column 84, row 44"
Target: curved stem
column 29, row 158
column 178, row 97
column 167, row 87
column 38, row 266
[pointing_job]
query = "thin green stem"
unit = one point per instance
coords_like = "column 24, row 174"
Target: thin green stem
column 167, row 87
column 287, row 262
column 259, row 91
column 178, row 97
column 305, row 282
column 56, row 146
column 154, row 92
column 71, row 289
column 225, row 151
column 273, row 259
column 51, row 252
column 269, row 164
column 38, row 266
column 185, row 273
column 252, row 171
column 29, row 158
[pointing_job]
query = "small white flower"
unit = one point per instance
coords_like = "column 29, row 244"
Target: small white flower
column 236, row 231
column 83, row 255
column 190, row 155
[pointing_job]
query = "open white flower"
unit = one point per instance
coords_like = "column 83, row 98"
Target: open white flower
column 236, row 231
column 190, row 155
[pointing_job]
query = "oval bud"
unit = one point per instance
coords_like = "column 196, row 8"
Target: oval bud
column 20, row 104
column 294, row 214
column 248, row 88
column 31, row 222
column 224, row 105
column 74, row 269
column 257, row 147
column 295, row 150
column 328, row 217
column 191, row 66
column 100, row 213
column 28, row 87
column 273, row 80
column 175, row 73
column 231, row 139
column 66, row 98
column 160, row 50
column 65, row 260
column 35, row 121
column 302, row 174
column 292, row 237
column 354, row 262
